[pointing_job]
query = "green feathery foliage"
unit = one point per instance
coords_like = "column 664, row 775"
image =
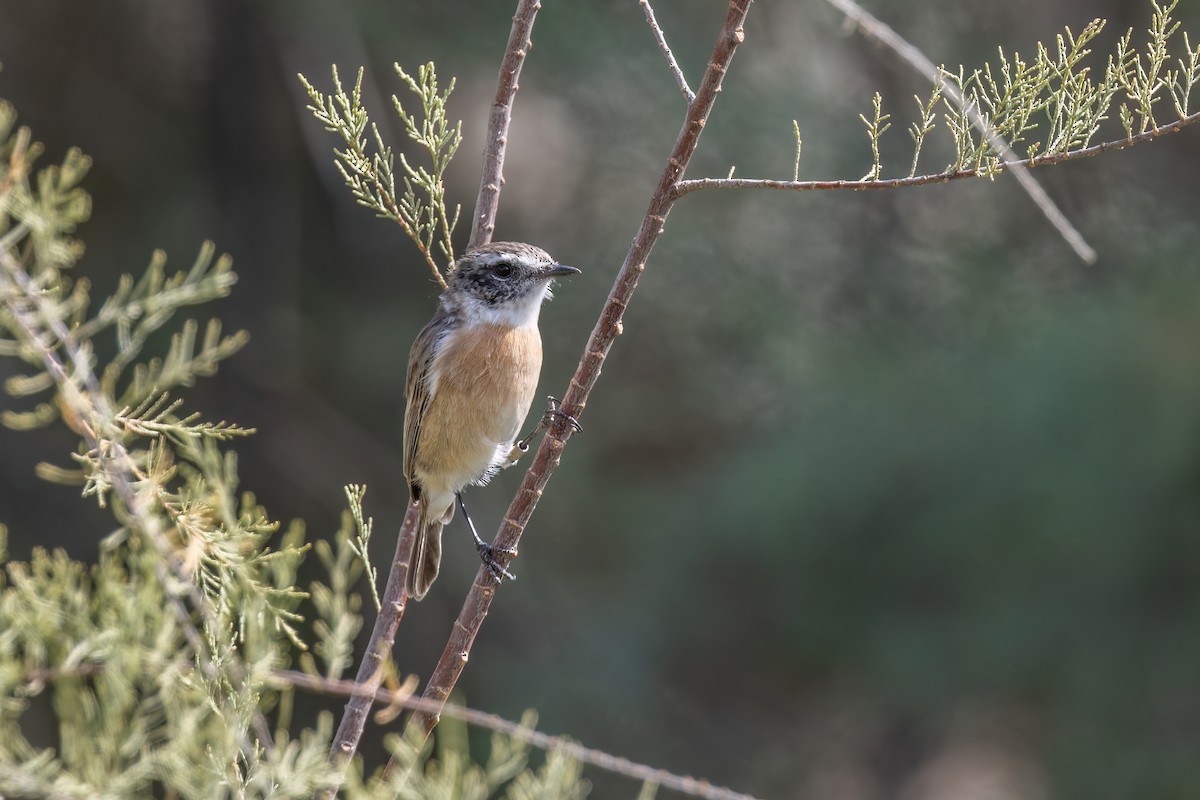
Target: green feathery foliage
column 1054, row 103
column 354, row 496
column 337, row 618
column 157, row 669
column 877, row 125
column 420, row 209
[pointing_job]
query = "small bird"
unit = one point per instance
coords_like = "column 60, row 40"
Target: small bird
column 472, row 374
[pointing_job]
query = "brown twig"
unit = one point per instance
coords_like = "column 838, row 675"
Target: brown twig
column 383, row 635
column 873, row 27
column 672, row 64
column 597, row 758
column 608, row 327
column 379, row 648
column 696, row 184
column 497, row 136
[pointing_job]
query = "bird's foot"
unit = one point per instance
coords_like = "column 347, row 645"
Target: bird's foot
column 554, row 410
column 487, row 554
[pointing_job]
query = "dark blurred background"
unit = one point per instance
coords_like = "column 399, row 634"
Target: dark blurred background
column 882, row 495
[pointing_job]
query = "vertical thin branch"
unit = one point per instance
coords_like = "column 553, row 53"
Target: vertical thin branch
column 608, row 327
column 672, row 64
column 497, row 136
column 383, row 635
column 379, row 648
column 916, row 59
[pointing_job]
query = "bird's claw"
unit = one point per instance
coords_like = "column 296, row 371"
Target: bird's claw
column 487, row 554
column 554, row 409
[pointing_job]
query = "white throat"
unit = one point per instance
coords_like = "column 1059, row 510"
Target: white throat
column 519, row 312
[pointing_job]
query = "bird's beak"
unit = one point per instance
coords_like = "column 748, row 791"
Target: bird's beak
column 558, row 270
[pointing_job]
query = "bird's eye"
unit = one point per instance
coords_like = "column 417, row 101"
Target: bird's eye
column 503, row 269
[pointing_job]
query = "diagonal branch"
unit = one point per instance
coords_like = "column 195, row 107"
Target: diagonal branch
column 873, row 27
column 492, row 179
column 379, row 648
column 1044, row 160
column 672, row 64
column 608, row 327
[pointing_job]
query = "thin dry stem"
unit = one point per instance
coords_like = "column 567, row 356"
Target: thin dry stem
column 696, row 184
column 492, row 179
column 597, row 758
column 672, row 64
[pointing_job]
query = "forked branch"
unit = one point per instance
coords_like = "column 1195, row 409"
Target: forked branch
column 383, row 635
column 608, row 327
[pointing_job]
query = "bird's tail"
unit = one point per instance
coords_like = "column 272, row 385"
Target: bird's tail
column 427, row 554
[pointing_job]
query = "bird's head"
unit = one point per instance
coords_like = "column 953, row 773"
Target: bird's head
column 504, row 280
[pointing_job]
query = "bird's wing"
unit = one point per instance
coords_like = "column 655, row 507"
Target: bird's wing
column 418, row 390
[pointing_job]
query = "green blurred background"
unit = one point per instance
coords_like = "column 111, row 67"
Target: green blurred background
column 881, row 495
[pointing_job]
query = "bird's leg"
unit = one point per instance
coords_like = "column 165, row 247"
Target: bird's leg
column 553, row 410
column 487, row 553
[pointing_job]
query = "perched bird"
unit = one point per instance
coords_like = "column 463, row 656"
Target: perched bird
column 472, row 374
